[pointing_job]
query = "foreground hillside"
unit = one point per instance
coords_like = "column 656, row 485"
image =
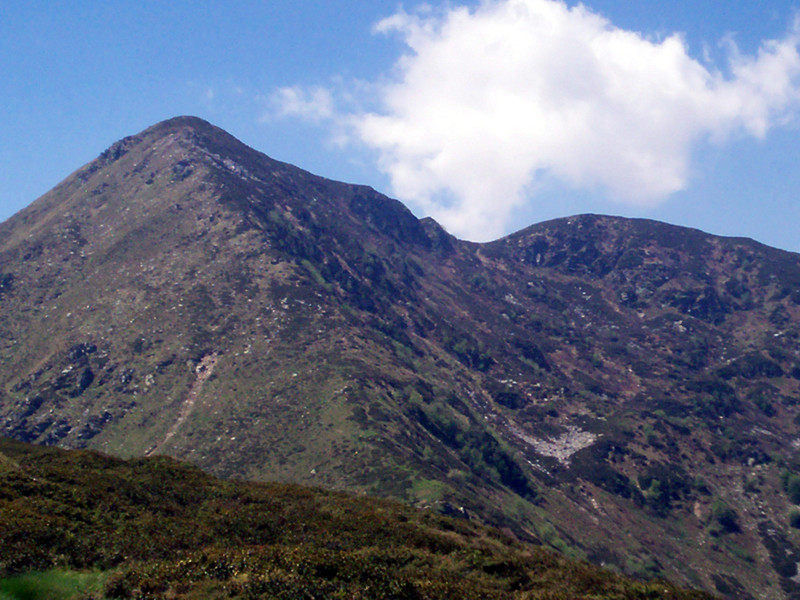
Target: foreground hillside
column 155, row 528
column 625, row 391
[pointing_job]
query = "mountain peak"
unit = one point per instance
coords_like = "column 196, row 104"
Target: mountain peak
column 194, row 128
column 188, row 162
column 182, row 122
column 191, row 130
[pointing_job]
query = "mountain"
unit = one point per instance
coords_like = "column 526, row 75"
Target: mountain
column 625, row 391
column 154, row 528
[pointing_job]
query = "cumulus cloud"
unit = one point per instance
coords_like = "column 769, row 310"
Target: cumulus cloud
column 485, row 102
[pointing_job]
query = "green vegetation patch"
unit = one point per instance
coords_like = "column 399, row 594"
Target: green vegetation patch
column 55, row 584
column 154, row 528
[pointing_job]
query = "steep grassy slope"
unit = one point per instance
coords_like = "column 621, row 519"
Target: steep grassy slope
column 622, row 390
column 159, row 529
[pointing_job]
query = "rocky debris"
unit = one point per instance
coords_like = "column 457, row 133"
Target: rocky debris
column 203, row 370
column 561, row 447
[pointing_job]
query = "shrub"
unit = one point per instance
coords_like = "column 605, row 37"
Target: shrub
column 794, row 518
column 792, row 487
column 725, row 518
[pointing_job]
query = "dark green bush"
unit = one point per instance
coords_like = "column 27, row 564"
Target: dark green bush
column 794, row 518
column 725, row 518
column 792, row 487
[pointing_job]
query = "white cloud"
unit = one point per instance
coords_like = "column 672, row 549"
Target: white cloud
column 314, row 104
column 487, row 100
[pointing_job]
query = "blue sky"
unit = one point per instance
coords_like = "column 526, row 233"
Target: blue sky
column 489, row 116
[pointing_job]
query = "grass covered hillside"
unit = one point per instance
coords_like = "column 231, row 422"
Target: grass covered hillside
column 80, row 524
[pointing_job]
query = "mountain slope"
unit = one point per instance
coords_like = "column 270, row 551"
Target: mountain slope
column 623, row 390
column 159, row 529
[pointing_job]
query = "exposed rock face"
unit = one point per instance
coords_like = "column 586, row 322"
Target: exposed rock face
column 602, row 384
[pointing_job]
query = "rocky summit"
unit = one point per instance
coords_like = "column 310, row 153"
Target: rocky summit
column 624, row 391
